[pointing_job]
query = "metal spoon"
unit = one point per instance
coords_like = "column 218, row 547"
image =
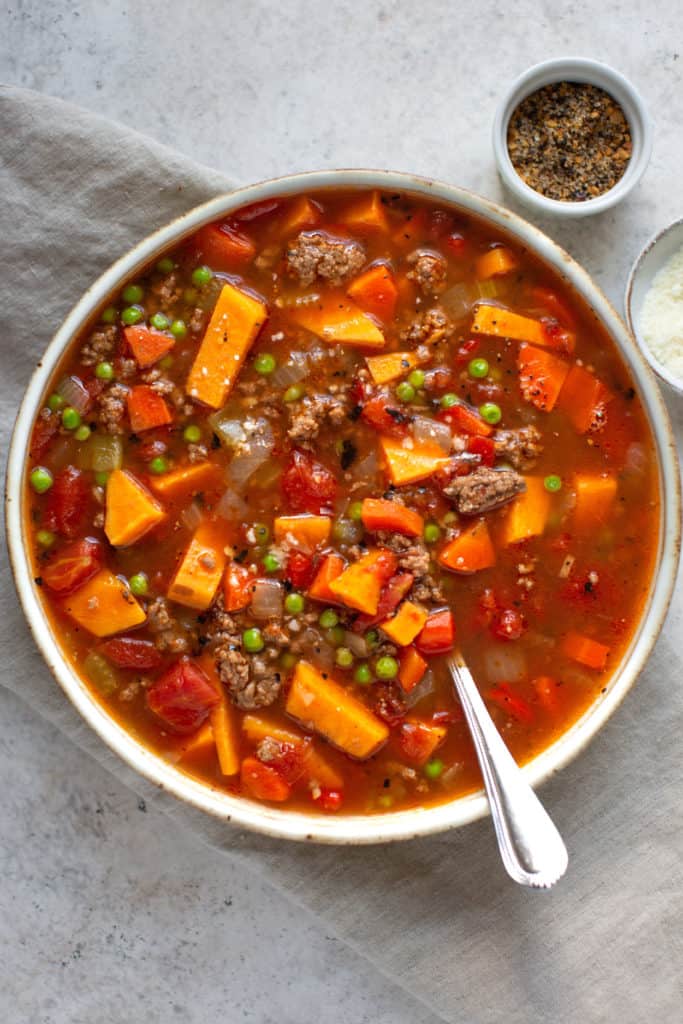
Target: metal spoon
column 531, row 847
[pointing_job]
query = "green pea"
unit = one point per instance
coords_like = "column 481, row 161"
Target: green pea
column 294, row 604
column 131, row 315
column 265, row 363
column 449, row 400
column 201, row 276
column 165, row 265
column 101, row 478
column 41, row 479
column 71, row 418
column 104, row 371
column 178, row 329
column 46, row 538
column 328, row 618
column 490, row 412
column 109, row 315
column 252, row 640
column 355, row 511
column 478, row 368
column 159, row 321
column 431, row 533
column 83, row 432
column 262, row 533
column 335, row 636
column 434, row 768
column 55, row 402
column 405, row 391
column 288, row 660
column 139, row 584
column 192, row 433
column 133, row 293
column 158, row 465
column 371, row 639
column 270, row 563
column 553, row 483
column 343, row 657
column 363, row 675
column 386, row 668
column 293, row 393
column 417, row 379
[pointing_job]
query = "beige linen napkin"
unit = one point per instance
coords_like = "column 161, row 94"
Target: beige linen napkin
column 438, row 915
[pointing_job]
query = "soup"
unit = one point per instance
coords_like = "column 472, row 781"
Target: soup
column 303, row 457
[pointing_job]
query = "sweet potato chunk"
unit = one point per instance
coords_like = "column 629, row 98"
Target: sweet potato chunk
column 104, row 605
column 307, row 531
column 199, row 574
column 130, row 510
column 334, row 318
column 409, row 465
column 405, row 625
column 528, row 513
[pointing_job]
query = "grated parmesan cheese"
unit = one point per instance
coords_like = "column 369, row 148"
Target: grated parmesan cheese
column 661, row 319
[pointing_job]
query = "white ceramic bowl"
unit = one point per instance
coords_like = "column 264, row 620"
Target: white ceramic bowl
column 654, row 256
column 592, row 72
column 353, row 828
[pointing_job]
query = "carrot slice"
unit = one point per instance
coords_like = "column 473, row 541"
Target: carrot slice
column 585, row 650
column 595, row 497
column 503, row 323
column 409, row 465
column 406, row 624
column 223, row 721
column 301, row 214
column 541, row 376
column 495, row 262
column 583, row 398
column 389, row 367
column 375, row 291
column 528, row 514
column 471, row 551
column 366, row 215
column 187, row 480
column 262, row 782
column 331, row 567
column 148, row 347
column 381, row 514
column 104, row 605
column 359, row 586
column 130, row 510
column 411, row 668
column 147, row 409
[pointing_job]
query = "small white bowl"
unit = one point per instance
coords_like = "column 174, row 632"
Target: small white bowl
column 592, row 72
column 654, row 256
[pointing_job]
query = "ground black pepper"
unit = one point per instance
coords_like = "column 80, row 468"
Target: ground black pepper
column 569, row 141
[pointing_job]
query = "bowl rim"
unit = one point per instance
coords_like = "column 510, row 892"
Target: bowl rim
column 662, row 372
column 589, row 71
column 348, row 829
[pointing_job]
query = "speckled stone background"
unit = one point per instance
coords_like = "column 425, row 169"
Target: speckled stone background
column 108, row 912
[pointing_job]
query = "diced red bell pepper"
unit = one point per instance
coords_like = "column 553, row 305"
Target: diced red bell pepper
column 384, row 414
column 182, row 697
column 307, row 485
column 300, row 569
column 418, row 741
column 223, row 247
column 68, row 503
column 44, row 430
column 131, row 652
column 508, row 624
column 438, row 634
column 262, row 782
column 512, row 703
column 467, row 351
column 465, row 420
column 238, row 587
column 484, row 447
column 73, row 565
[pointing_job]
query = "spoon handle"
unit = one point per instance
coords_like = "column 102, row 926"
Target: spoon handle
column 531, row 847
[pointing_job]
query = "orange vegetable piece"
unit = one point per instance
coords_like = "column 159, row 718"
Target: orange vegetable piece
column 306, row 531
column 263, row 782
column 406, row 624
column 331, row 567
column 466, row 420
column 301, row 214
column 238, row 587
column 595, row 497
column 366, row 214
column 375, row 291
column 528, row 513
column 147, row 409
column 336, row 319
column 495, row 262
column 187, row 480
column 585, row 650
column 503, row 323
column 222, row 720
column 360, row 584
column 541, row 376
column 418, row 740
column 201, row 569
column 583, row 398
column 471, row 551
column 546, row 690
column 409, row 465
column 104, row 605
column 222, row 247
column 147, row 346
column 199, row 744
column 411, row 668
column 318, row 767
column 235, row 323
column 381, row 514
column 130, row 510
column 323, row 706
column 391, row 366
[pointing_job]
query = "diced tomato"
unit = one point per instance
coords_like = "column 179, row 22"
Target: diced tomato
column 484, row 447
column 467, row 350
column 255, row 210
column 330, row 799
column 546, row 688
column 554, row 304
column 464, row 419
column 307, row 485
column 290, row 760
column 448, row 717
column 300, row 569
column 262, row 782
column 418, row 741
column 438, row 380
column 389, row 703
column 182, row 697
column 508, row 624
column 512, row 703
column 559, row 338
column 392, row 593
column 73, row 565
column 131, row 652
column 68, row 503
column 438, row 634
column 383, row 413
column 238, row 587
column 223, row 247
column 456, row 243
column 44, row 430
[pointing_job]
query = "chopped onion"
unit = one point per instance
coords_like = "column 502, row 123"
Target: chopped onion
column 291, row 372
column 192, row 516
column 366, row 469
column 566, row 567
column 101, row 453
column 504, row 663
column 422, row 690
column 458, row 300
column 636, row 460
column 100, row 672
column 356, row 644
column 430, row 431
column 75, row 394
column 267, row 599
column 245, row 465
column 317, row 648
column 229, row 430
column 231, row 506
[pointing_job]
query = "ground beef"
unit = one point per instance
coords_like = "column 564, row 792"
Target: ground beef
column 521, row 448
column 389, row 703
column 413, row 557
column 126, row 369
column 306, row 418
column 251, row 680
column 167, row 291
column 429, row 271
column 112, row 408
column 169, row 635
column 268, row 750
column 429, row 328
column 100, row 345
column 313, row 254
column 197, row 320
column 484, row 490
column 197, row 453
